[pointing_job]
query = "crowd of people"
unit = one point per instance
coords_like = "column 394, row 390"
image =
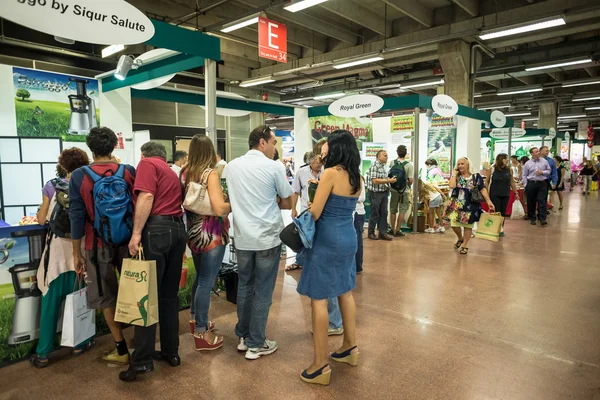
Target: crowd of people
column 93, row 237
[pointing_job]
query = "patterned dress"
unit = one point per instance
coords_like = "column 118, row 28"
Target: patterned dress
column 205, row 232
column 461, row 210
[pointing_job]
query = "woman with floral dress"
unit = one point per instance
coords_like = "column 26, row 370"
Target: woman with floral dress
column 462, row 212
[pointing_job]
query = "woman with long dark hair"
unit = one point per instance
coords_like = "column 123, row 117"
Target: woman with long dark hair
column 330, row 266
column 207, row 238
column 560, row 186
column 499, row 181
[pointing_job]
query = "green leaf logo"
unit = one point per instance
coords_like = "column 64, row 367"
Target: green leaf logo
column 489, row 223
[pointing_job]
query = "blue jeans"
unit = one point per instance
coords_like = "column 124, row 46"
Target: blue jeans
column 335, row 316
column 207, row 267
column 359, row 226
column 257, row 273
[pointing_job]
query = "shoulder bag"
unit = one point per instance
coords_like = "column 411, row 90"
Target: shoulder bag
column 476, row 196
column 196, row 196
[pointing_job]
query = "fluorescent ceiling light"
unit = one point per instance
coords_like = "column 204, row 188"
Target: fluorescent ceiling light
column 596, row 128
column 518, row 114
column 257, row 81
column 358, row 62
column 385, row 87
column 494, row 107
column 562, row 126
column 592, row 108
column 112, row 49
column 477, row 95
column 587, row 98
column 416, row 85
column 519, row 91
column 329, row 96
column 235, row 25
column 522, row 29
column 572, row 116
column 568, row 130
column 303, row 4
column 582, row 83
column 560, row 64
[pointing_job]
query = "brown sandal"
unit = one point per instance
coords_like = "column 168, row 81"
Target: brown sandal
column 464, row 250
column 458, row 244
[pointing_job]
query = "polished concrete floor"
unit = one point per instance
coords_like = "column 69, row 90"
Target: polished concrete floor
column 519, row 319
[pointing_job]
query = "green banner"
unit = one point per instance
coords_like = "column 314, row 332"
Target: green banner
column 361, row 128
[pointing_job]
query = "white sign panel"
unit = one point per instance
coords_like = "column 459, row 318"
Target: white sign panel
column 551, row 134
column 502, row 133
column 444, row 105
column 356, row 106
column 90, row 21
column 498, row 119
column 229, row 112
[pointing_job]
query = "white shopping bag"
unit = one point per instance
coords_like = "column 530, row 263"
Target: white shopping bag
column 79, row 322
column 518, row 212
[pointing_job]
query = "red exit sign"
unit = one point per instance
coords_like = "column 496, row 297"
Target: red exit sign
column 272, row 40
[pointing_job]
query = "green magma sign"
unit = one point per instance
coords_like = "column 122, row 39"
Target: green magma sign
column 361, row 128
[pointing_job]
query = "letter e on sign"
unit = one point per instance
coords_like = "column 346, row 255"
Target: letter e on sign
column 272, row 40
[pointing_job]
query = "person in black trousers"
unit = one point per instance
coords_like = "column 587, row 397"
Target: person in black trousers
column 378, row 185
column 535, row 173
column 158, row 226
column 499, row 181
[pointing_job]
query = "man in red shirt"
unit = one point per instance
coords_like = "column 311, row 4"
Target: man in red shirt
column 158, row 226
column 100, row 265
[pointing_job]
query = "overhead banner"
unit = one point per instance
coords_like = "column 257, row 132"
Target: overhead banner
column 360, row 105
column 272, row 40
column 48, row 104
column 502, row 133
column 89, row 21
column 360, row 128
column 402, row 123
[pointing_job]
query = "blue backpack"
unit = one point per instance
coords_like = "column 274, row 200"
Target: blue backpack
column 113, row 207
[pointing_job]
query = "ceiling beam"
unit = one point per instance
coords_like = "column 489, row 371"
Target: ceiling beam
column 308, row 22
column 413, row 9
column 470, row 6
column 360, row 15
column 592, row 72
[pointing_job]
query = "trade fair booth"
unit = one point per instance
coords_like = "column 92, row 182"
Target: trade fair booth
column 31, row 142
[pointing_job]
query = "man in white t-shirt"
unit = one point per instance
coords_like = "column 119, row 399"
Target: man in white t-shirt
column 180, row 158
column 221, row 164
column 258, row 190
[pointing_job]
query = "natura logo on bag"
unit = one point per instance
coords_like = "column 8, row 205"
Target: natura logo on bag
column 138, row 276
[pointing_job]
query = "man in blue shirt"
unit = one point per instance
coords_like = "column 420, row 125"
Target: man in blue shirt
column 535, row 173
column 553, row 178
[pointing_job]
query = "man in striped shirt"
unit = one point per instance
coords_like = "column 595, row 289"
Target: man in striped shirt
column 378, row 186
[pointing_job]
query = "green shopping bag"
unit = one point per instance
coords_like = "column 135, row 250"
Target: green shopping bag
column 489, row 226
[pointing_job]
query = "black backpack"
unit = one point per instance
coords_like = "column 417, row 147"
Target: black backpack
column 59, row 222
column 397, row 171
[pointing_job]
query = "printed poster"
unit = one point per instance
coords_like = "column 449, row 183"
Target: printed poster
column 361, row 128
column 49, row 104
column 440, row 142
column 402, row 123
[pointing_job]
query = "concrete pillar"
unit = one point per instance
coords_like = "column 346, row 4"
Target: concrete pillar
column 210, row 91
column 455, row 59
column 548, row 114
column 302, row 135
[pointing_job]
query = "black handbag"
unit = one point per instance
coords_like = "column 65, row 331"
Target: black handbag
column 290, row 236
column 476, row 196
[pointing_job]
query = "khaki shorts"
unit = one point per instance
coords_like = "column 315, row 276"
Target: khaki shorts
column 109, row 262
column 399, row 203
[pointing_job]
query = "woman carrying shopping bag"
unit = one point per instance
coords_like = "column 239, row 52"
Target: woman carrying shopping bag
column 208, row 234
column 56, row 274
column 468, row 192
column 499, row 182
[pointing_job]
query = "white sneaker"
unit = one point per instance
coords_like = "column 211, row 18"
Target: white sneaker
column 242, row 345
column 335, row 331
column 429, row 230
column 441, row 229
column 254, row 353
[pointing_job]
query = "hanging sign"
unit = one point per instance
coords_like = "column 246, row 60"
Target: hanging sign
column 91, row 21
column 498, row 119
column 272, row 40
column 502, row 133
column 402, row 123
column 356, row 106
column 551, row 134
column 444, row 105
